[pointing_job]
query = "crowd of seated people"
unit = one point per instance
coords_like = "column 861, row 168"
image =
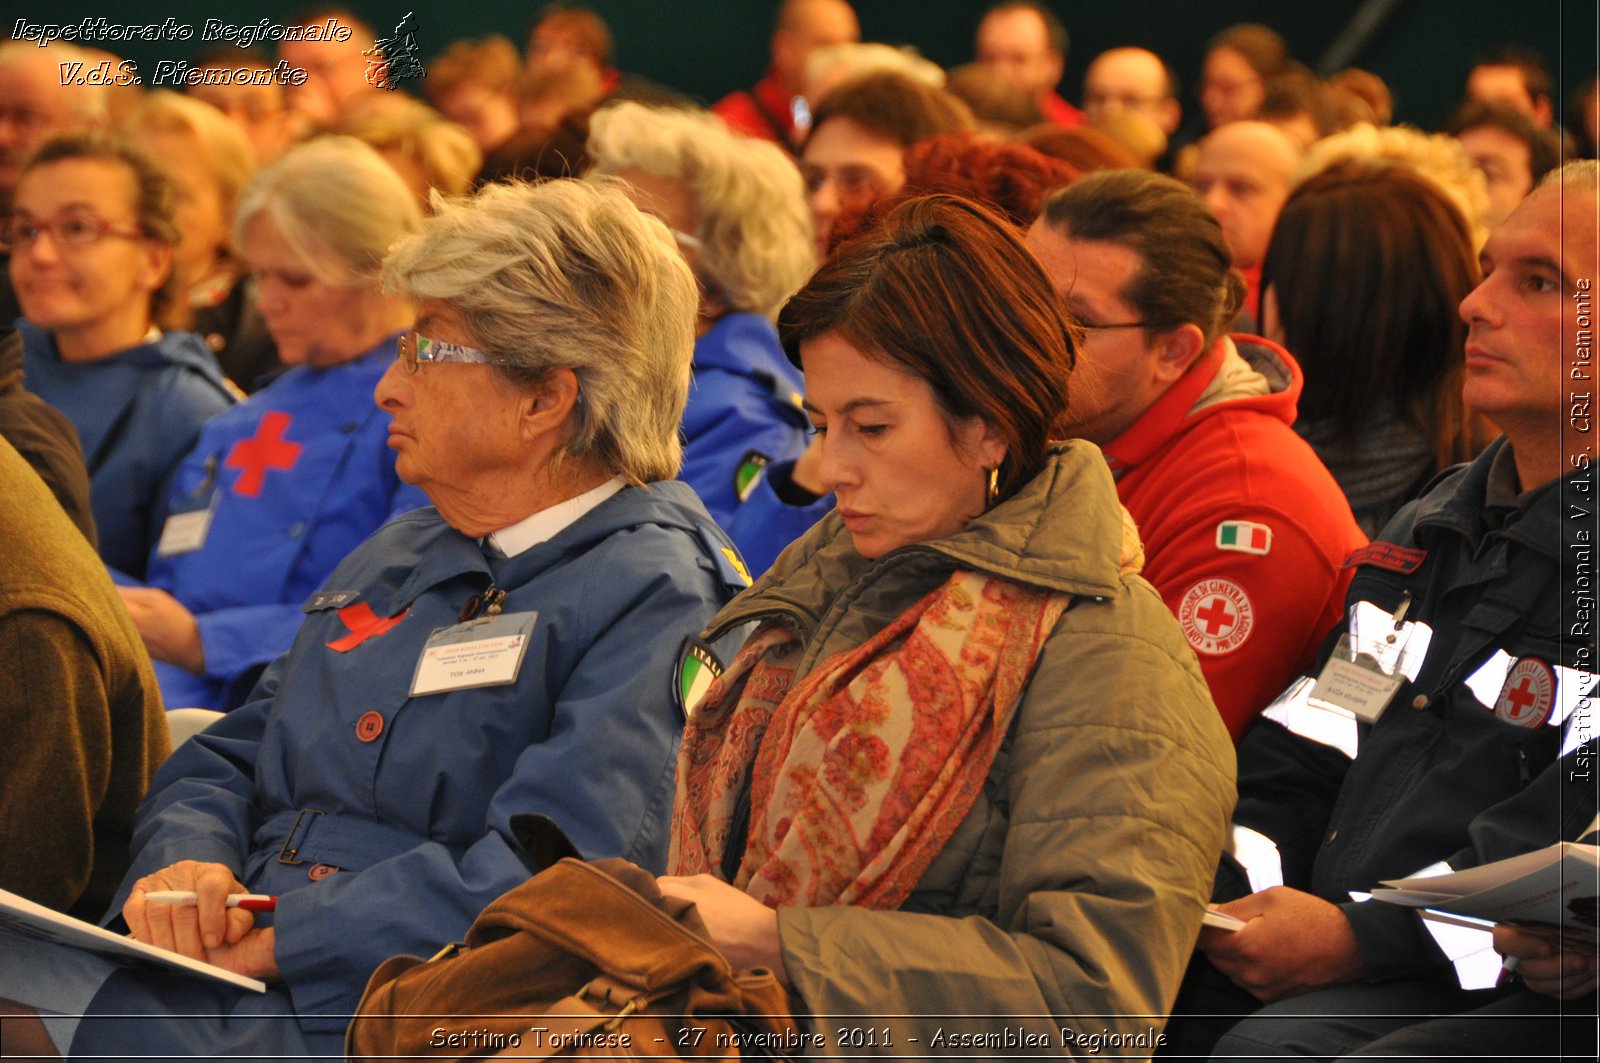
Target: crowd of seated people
column 1084, row 517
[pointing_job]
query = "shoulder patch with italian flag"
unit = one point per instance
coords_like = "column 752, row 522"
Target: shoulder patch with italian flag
column 1244, row 536
column 748, row 473
column 698, row 668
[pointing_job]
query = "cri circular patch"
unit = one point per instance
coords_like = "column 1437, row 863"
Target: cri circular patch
column 1216, row 616
column 1528, row 694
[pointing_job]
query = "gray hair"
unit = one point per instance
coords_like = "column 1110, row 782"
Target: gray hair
column 570, row 275
column 332, row 198
column 751, row 216
column 1584, row 172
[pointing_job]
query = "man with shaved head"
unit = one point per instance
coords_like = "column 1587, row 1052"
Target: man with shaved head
column 767, row 110
column 1244, row 175
column 1131, row 81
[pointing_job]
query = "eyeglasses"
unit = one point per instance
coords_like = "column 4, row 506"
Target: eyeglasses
column 416, row 349
column 73, row 229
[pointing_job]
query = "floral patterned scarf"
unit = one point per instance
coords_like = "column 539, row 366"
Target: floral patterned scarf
column 860, row 773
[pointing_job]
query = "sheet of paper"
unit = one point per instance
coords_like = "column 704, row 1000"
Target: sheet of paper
column 22, row 916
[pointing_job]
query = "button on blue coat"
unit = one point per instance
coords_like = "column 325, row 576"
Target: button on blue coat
column 299, row 475
column 417, row 818
column 137, row 414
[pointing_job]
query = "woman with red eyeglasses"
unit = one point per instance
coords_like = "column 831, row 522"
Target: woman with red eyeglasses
column 91, row 236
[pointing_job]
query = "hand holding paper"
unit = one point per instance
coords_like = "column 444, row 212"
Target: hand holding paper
column 1547, row 963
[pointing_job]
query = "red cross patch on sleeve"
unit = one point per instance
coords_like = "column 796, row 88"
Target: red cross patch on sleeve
column 1216, row 616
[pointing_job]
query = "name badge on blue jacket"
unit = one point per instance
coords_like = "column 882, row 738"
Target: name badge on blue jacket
column 486, row 652
column 185, row 531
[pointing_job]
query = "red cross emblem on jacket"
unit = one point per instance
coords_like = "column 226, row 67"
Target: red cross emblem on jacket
column 267, row 449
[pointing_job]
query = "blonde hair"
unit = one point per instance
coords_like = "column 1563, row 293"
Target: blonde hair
column 751, row 216
column 837, row 63
column 332, row 198
column 450, row 159
column 570, row 275
column 1438, row 158
column 225, row 151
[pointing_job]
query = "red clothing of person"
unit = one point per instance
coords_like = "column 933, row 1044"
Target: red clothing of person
column 1059, row 111
column 762, row 112
column 1244, row 528
column 1252, row 288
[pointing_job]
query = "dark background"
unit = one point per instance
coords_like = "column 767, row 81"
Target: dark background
column 710, row 47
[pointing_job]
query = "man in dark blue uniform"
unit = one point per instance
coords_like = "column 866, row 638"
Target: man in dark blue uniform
column 1468, row 738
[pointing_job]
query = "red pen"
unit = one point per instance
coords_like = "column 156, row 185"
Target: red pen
column 250, row 902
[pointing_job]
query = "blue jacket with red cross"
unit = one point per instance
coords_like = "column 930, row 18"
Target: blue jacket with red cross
column 377, row 804
column 276, row 492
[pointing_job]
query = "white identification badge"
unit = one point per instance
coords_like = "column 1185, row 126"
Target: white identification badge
column 486, row 652
column 186, row 532
column 1370, row 663
column 1356, row 682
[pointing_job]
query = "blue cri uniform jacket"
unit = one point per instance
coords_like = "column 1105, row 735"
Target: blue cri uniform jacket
column 382, row 820
column 137, row 413
column 294, row 479
column 744, row 415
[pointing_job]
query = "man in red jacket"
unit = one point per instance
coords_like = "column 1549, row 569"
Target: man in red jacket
column 767, row 111
column 1245, row 531
column 1024, row 43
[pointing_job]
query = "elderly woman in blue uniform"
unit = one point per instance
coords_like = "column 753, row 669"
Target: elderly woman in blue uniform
column 737, row 209
column 91, row 238
column 282, row 487
column 506, row 651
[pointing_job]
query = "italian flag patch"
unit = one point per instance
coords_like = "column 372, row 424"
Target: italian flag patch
column 698, row 668
column 1243, row 536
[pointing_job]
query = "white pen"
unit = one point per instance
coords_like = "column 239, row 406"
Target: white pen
column 250, row 902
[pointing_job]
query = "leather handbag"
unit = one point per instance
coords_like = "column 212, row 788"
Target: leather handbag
column 583, row 959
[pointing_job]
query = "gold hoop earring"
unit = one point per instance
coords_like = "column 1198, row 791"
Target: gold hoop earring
column 994, row 487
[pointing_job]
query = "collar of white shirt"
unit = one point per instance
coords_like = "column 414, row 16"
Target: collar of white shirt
column 545, row 524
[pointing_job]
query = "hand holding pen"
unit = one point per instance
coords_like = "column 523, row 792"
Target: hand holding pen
column 208, row 920
column 250, row 902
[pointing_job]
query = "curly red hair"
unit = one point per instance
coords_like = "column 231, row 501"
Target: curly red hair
column 1010, row 179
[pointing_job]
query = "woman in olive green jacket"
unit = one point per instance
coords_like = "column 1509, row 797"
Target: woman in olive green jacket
column 965, row 778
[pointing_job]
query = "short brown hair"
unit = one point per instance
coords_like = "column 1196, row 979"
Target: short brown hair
column 1186, row 274
column 947, row 291
column 1055, row 32
column 492, row 62
column 587, row 28
column 895, row 107
column 1261, row 47
column 155, row 201
column 1545, row 150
